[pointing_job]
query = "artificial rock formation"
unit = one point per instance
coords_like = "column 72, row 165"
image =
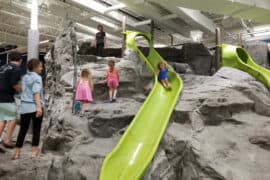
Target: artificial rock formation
column 219, row 129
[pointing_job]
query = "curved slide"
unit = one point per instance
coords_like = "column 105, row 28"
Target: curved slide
column 136, row 148
column 237, row 57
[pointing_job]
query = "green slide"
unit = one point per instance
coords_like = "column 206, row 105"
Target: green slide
column 237, row 57
column 136, row 148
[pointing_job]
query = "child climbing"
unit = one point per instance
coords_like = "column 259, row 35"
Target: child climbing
column 112, row 78
column 84, row 89
column 163, row 75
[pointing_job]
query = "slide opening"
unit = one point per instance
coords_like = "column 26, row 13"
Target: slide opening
column 242, row 54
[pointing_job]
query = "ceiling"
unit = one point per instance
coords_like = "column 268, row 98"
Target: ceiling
column 174, row 20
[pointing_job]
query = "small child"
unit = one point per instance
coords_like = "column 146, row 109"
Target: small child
column 84, row 89
column 163, row 74
column 112, row 78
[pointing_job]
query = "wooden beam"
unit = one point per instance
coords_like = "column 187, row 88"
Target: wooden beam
column 124, row 23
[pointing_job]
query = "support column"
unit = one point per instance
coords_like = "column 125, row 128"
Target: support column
column 33, row 33
column 124, row 22
column 171, row 36
column 152, row 30
column 218, row 50
column 239, row 39
column 7, row 58
column 33, row 44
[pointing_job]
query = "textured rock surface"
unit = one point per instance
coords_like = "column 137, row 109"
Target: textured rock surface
column 219, row 129
column 258, row 50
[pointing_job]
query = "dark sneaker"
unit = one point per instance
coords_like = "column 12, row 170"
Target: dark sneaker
column 8, row 146
column 114, row 100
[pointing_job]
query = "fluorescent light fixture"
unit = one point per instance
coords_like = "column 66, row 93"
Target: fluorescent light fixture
column 141, row 23
column 86, row 28
column 261, row 28
column 266, row 33
column 114, row 7
column 34, row 15
column 105, row 22
column 44, row 42
column 91, row 4
column 159, row 45
column 84, row 37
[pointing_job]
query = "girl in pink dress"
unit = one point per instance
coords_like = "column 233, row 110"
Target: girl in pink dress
column 112, row 78
column 84, row 89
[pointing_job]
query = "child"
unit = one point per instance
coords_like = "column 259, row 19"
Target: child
column 112, row 78
column 84, row 89
column 163, row 74
column 32, row 103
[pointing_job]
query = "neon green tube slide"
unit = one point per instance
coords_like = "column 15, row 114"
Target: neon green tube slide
column 136, row 148
column 237, row 57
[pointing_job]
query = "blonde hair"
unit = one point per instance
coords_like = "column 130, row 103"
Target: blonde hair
column 87, row 75
column 111, row 64
column 160, row 63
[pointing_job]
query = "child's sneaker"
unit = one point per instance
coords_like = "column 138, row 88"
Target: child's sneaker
column 114, row 100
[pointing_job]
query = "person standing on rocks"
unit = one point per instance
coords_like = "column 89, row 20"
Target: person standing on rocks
column 100, row 41
column 84, row 89
column 32, row 103
column 112, row 77
column 10, row 77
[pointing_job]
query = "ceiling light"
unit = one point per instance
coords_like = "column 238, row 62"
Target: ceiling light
column 83, row 36
column 159, row 45
column 114, row 8
column 92, row 5
column 86, row 28
column 34, row 15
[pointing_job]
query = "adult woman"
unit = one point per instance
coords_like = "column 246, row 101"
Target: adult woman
column 32, row 101
column 100, row 40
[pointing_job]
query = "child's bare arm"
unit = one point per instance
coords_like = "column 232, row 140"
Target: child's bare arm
column 117, row 74
column 76, row 85
column 91, row 85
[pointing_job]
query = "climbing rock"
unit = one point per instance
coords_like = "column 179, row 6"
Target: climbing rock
column 107, row 118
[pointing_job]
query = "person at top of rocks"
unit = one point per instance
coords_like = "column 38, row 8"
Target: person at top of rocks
column 100, row 41
column 32, row 103
column 10, row 83
column 163, row 74
column 112, row 78
column 84, row 89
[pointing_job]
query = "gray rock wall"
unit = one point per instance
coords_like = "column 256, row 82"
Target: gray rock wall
column 258, row 50
column 196, row 55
